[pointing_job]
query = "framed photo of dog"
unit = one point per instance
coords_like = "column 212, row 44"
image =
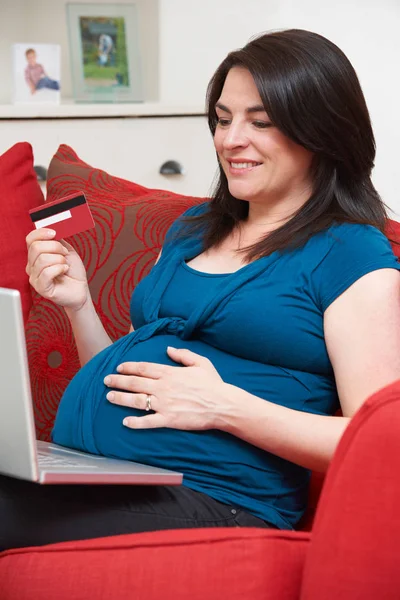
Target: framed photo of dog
column 109, row 51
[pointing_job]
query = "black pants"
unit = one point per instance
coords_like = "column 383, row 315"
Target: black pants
column 32, row 514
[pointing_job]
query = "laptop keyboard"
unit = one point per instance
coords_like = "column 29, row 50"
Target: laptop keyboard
column 48, row 460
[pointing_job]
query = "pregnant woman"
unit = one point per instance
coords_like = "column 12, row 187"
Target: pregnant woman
column 270, row 307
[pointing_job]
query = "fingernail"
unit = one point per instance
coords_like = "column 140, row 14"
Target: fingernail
column 50, row 233
column 120, row 368
column 125, row 422
column 110, row 396
column 107, row 380
column 171, row 348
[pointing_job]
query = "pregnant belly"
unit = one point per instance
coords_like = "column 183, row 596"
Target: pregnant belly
column 87, row 421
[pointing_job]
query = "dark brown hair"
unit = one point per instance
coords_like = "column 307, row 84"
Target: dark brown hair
column 311, row 92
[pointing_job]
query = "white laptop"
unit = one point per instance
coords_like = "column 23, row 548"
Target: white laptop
column 24, row 457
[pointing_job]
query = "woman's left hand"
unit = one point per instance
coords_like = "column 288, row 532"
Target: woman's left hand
column 188, row 398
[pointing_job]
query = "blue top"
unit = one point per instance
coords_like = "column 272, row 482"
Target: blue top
column 262, row 328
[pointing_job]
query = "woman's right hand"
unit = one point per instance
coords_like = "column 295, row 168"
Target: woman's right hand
column 55, row 270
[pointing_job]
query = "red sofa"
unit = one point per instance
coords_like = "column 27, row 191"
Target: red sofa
column 352, row 549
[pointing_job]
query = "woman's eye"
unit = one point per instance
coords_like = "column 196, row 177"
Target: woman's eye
column 223, row 122
column 262, row 124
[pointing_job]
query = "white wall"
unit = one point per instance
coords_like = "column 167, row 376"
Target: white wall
column 196, row 34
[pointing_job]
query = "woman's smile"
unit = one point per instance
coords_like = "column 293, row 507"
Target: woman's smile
column 241, row 166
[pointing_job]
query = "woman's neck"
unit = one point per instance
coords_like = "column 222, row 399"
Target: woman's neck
column 270, row 215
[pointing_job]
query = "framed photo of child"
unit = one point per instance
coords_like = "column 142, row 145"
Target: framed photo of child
column 36, row 73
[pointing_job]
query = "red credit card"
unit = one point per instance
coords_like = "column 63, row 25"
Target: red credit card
column 67, row 216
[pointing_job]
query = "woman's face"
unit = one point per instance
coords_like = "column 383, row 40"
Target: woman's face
column 260, row 162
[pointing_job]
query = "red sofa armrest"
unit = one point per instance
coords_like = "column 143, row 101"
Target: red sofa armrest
column 196, row 564
column 355, row 550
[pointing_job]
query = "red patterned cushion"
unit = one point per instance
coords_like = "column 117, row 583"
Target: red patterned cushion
column 131, row 222
column 19, row 191
column 393, row 233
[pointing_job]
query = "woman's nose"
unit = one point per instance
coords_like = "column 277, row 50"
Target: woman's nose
column 235, row 137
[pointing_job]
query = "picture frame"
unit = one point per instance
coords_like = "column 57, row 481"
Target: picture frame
column 36, row 73
column 105, row 52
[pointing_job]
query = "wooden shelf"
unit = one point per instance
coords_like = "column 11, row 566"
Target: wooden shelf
column 68, row 109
